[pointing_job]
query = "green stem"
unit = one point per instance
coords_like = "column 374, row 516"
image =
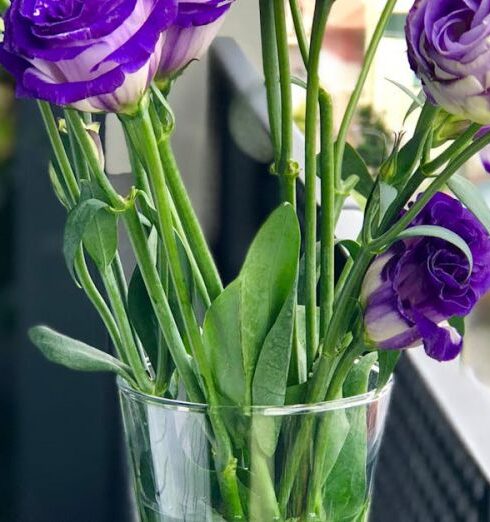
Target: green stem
column 130, row 348
column 76, row 123
column 319, row 384
column 190, row 224
column 421, row 136
column 59, row 151
column 319, row 474
column 322, row 10
column 455, row 148
column 435, row 186
column 141, row 125
column 99, row 304
column 327, row 225
column 263, row 501
column 160, row 305
column 299, row 29
column 78, row 160
column 271, row 72
column 356, row 94
column 287, row 178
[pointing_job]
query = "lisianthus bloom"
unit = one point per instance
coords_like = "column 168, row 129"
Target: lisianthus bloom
column 95, row 55
column 485, row 153
column 411, row 291
column 190, row 36
column 448, row 50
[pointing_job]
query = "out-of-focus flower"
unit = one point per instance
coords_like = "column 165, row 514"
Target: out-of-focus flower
column 412, row 290
column 484, row 153
column 94, row 55
column 196, row 26
column 448, row 50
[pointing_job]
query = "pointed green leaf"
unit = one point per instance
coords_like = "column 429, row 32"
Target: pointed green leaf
column 221, row 337
column 58, row 186
column 353, row 164
column 471, row 196
column 100, row 236
column 387, row 194
column 143, row 317
column 267, row 277
column 418, row 100
column 387, row 360
column 74, row 354
column 271, row 373
column 75, row 227
column 346, row 486
column 440, row 233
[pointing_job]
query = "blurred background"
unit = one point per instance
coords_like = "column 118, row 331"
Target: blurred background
column 61, row 457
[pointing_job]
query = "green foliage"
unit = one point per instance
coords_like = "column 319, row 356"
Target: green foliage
column 91, row 221
column 248, row 330
column 143, row 317
column 440, row 233
column 345, row 489
column 376, row 137
column 354, row 164
column 75, row 355
column 471, row 197
column 222, row 340
column 387, row 360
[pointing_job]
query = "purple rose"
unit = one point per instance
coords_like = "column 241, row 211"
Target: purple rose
column 95, row 55
column 411, row 291
column 448, row 50
column 197, row 24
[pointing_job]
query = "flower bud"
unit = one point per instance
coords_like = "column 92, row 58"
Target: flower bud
column 196, row 26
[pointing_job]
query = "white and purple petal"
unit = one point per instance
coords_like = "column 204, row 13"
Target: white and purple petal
column 449, row 49
column 96, row 55
column 411, row 291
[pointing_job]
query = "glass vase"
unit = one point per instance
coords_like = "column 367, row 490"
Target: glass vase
column 290, row 464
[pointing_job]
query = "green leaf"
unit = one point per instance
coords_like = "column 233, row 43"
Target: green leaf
column 143, row 317
column 387, row 194
column 301, row 327
column 346, row 486
column 221, row 337
column 267, row 278
column 353, row 164
column 440, row 233
column 471, row 196
column 416, row 99
column 296, row 394
column 75, row 227
column 271, row 373
column 100, row 237
column 458, row 323
column 74, row 354
column 387, row 360
column 352, row 247
column 302, row 274
column 58, row 186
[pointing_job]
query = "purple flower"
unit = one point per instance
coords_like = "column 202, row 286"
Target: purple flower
column 484, row 153
column 411, row 291
column 197, row 24
column 448, row 50
column 95, row 55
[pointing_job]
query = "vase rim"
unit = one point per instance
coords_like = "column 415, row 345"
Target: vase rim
column 364, row 399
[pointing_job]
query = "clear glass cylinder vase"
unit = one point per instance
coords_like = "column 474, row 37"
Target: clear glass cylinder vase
column 290, row 464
